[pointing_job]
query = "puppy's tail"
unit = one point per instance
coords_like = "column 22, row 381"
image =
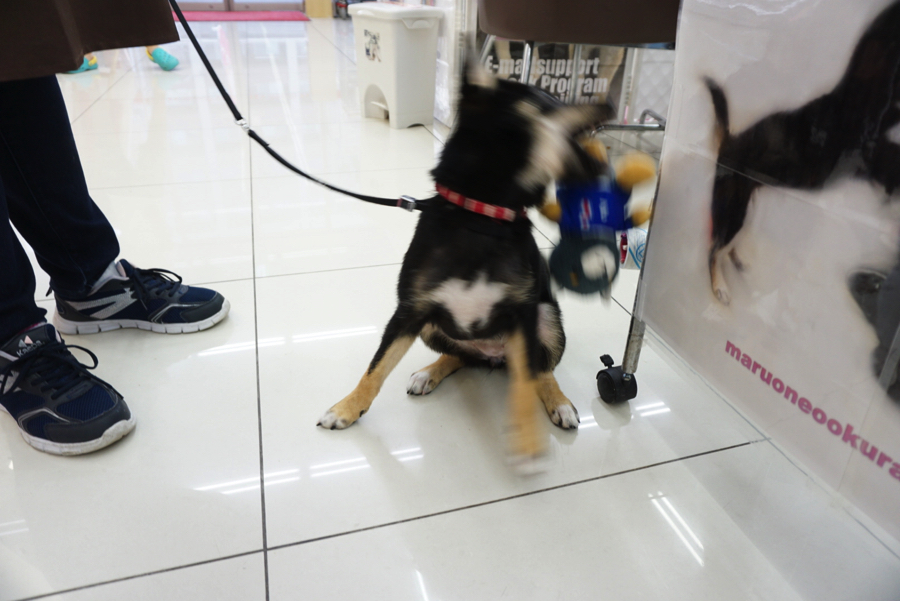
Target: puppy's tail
column 720, row 105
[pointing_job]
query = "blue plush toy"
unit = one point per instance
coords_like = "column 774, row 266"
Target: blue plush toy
column 586, row 260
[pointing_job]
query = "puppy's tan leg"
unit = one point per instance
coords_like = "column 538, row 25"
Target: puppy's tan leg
column 527, row 436
column 560, row 409
column 427, row 379
column 358, row 402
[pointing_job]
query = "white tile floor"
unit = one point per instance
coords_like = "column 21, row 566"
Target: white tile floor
column 673, row 496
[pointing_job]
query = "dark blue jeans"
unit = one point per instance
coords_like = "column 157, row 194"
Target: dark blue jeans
column 44, row 195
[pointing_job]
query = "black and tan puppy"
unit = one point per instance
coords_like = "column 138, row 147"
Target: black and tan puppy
column 854, row 130
column 473, row 284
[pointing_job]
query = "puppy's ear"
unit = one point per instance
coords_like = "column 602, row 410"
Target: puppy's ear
column 476, row 76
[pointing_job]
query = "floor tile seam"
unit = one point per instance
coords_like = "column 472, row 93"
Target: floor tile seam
column 422, row 168
column 239, row 96
column 435, row 135
column 872, row 534
column 223, row 127
column 105, row 92
column 330, row 122
column 338, row 269
column 627, row 312
column 318, row 173
column 338, row 48
column 241, row 90
column 333, row 122
column 52, row 302
column 319, row 271
column 143, row 575
column 263, row 277
column 543, row 235
column 141, row 130
column 686, row 365
column 262, row 466
column 160, row 184
column 624, row 308
column 427, row 168
column 260, row 149
column 832, row 492
column 279, row 96
column 547, row 489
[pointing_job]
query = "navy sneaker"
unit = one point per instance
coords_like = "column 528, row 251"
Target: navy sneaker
column 149, row 299
column 59, row 406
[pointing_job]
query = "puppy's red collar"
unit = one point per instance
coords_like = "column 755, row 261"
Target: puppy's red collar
column 476, row 206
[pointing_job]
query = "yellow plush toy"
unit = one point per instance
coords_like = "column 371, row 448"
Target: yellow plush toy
column 587, row 258
column 630, row 170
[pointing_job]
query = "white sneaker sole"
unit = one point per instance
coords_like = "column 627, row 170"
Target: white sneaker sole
column 93, row 327
column 115, row 432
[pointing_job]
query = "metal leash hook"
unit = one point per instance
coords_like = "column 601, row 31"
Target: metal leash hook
column 407, row 202
column 244, row 124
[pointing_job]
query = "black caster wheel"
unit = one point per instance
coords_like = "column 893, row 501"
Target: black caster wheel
column 613, row 384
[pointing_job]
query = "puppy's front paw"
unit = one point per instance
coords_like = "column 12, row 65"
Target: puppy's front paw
column 348, row 410
column 333, row 420
column 420, row 383
column 531, row 465
column 566, row 417
column 527, row 438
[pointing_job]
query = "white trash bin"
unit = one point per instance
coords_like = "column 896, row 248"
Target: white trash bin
column 396, row 55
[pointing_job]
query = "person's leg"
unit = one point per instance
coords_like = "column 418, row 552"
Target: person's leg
column 58, row 405
column 17, row 307
column 49, row 204
column 45, row 187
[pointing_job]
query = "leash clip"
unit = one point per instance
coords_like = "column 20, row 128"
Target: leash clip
column 407, row 202
column 245, row 125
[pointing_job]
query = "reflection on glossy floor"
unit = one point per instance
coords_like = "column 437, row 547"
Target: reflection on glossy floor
column 227, row 490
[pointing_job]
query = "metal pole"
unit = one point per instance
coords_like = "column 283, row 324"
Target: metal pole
column 527, row 52
column 631, row 127
column 574, row 88
column 633, row 346
column 629, row 83
column 486, row 48
column 637, row 328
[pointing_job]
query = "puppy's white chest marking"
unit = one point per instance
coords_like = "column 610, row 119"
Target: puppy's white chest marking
column 470, row 303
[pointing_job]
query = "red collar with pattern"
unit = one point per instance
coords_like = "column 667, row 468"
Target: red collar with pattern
column 476, row 206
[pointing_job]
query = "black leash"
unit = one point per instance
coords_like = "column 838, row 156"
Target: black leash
column 406, row 202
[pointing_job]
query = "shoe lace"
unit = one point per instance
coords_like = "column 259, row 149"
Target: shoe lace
column 49, row 367
column 159, row 281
